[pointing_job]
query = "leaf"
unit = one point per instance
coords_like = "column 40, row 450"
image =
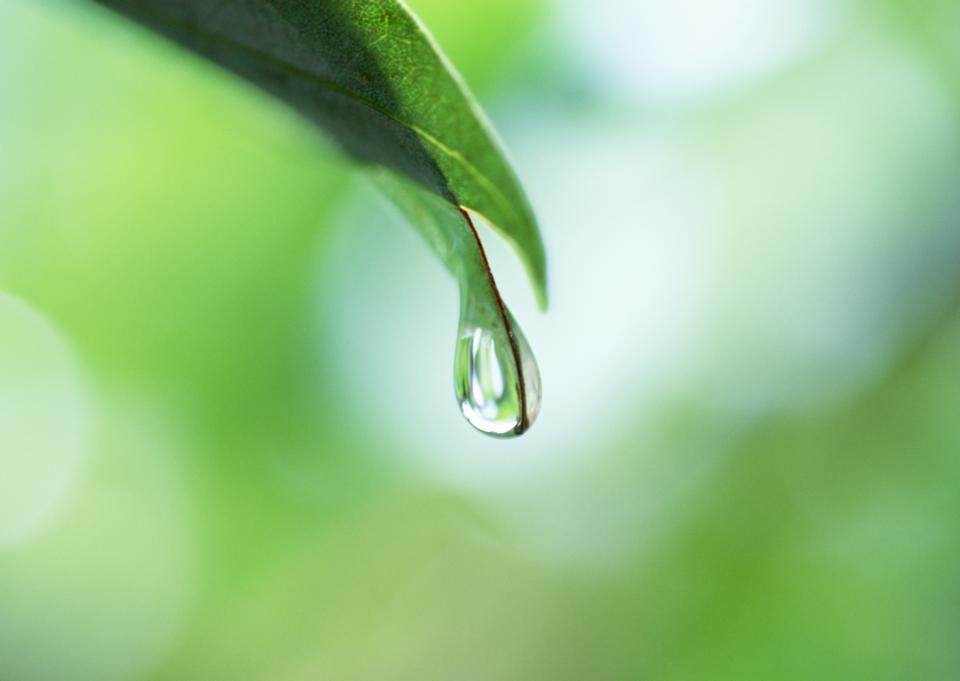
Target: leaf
column 369, row 73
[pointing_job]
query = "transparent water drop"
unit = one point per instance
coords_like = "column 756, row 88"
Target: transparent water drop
column 496, row 378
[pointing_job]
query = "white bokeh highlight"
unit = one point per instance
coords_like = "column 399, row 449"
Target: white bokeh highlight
column 44, row 421
column 104, row 594
column 679, row 50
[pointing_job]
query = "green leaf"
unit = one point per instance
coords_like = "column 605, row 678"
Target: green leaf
column 368, row 73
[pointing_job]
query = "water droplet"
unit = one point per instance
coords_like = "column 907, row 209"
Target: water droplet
column 496, row 377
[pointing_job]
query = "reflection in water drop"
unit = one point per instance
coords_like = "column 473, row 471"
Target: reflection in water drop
column 496, row 378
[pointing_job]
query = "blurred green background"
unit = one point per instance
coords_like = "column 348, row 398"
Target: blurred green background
column 228, row 443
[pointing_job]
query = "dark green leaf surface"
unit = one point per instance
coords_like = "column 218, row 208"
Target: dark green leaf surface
column 368, row 73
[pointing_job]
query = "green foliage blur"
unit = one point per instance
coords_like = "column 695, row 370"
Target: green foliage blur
column 228, row 443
